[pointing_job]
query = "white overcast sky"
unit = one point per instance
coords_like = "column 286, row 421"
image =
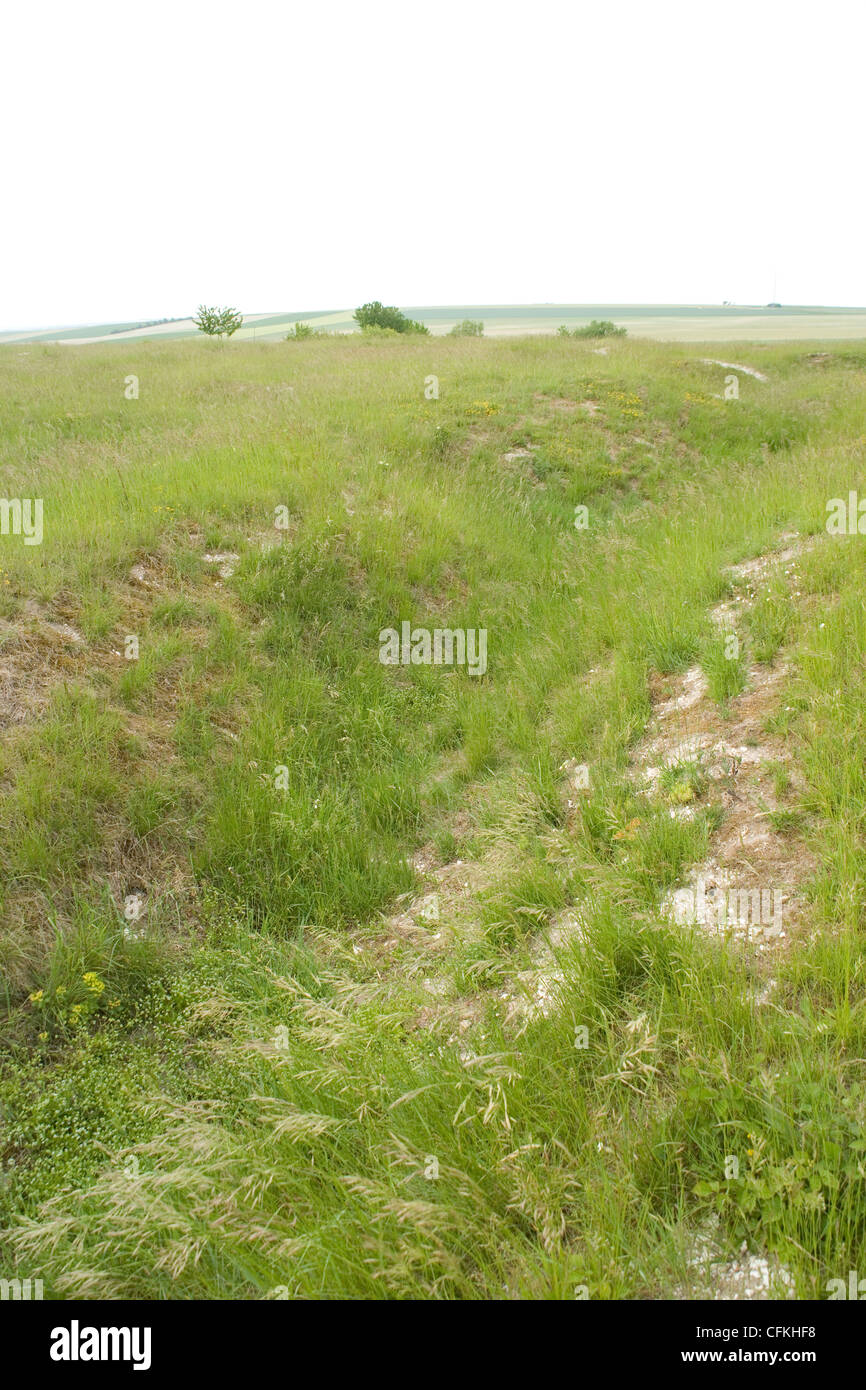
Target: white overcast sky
column 280, row 156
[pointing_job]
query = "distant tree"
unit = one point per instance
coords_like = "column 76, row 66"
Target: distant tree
column 378, row 315
column 596, row 328
column 600, row 328
column 467, row 328
column 217, row 323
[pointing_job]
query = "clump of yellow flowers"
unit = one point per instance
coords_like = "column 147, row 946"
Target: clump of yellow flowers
column 66, row 1012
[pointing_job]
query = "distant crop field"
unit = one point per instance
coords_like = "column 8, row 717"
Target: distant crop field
column 665, row 322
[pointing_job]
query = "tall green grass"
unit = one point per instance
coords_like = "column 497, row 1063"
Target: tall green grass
column 286, row 1103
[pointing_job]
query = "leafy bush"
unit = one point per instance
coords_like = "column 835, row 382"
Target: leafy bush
column 303, row 330
column 596, row 328
column 467, row 328
column 378, row 315
column 217, row 323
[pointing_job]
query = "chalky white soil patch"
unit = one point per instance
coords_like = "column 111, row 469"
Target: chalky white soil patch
column 747, row 888
column 713, row 1277
column 417, row 943
column 226, row 559
column 761, row 567
column 534, row 992
column 414, row 944
column 142, row 573
column 734, row 367
column 516, row 455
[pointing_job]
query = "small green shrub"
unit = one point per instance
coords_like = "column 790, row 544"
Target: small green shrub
column 217, row 323
column 596, row 328
column 303, row 330
column 378, row 315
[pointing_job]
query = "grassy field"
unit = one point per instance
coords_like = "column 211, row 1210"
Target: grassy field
column 666, row 322
column 325, row 977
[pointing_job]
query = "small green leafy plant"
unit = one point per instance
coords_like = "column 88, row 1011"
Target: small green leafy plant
column 217, row 323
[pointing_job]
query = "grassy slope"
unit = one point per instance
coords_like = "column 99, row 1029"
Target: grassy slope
column 285, row 1102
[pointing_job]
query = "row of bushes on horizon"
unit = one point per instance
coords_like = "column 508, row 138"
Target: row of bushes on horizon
column 386, row 320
